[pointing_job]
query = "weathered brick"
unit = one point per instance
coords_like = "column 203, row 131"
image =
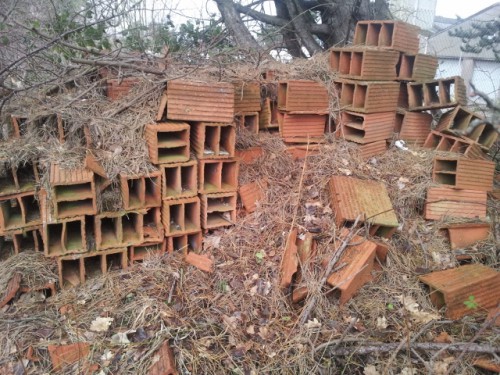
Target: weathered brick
column 302, row 96
column 212, row 140
column 168, row 142
column 366, row 127
column 388, row 34
column 448, row 202
column 365, row 64
column 181, row 216
column 218, row 210
column 463, row 173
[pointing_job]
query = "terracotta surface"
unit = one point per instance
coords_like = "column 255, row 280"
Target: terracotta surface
column 17, row 180
column 92, row 164
column 467, row 234
column 416, row 127
column 495, row 312
column 27, row 239
column 366, row 64
column 487, row 364
column 369, row 97
column 18, row 126
column 20, row 211
column 302, row 128
column 168, row 142
column 371, row 149
column 268, row 117
column 299, row 152
column 217, row 176
column 306, row 251
column 64, row 355
column 75, row 269
column 202, row 262
column 381, row 254
column 249, row 155
column 211, row 140
column 448, row 202
column 252, row 193
column 290, row 261
column 147, row 250
column 218, row 210
column 351, row 197
column 11, row 289
column 451, row 288
column 440, row 93
column 67, row 236
column 458, row 120
column 163, row 361
column 463, row 173
column 394, row 35
column 366, row 128
column 118, row 229
column 302, row 96
column 117, row 88
column 181, row 216
column 141, row 191
column 443, row 142
column 152, row 225
column 358, row 260
column 248, row 121
column 192, row 242
column 403, row 96
column 246, row 97
column 198, row 101
column 179, row 180
column 418, row 67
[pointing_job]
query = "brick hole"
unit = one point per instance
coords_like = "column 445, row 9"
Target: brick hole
column 93, row 266
column 212, row 176
column 432, row 90
column 143, row 252
column 151, row 224
column 31, row 208
column 229, row 175
column 54, row 239
column 114, row 261
column 26, row 241
column 188, row 179
column 68, row 209
column 345, row 62
column 153, row 191
column 416, row 95
column 488, row 136
column 89, row 233
column 459, row 147
column 437, row 298
column 195, row 242
column 461, row 120
column 359, row 99
column 74, row 236
column 192, row 216
column 226, row 145
column 448, row 91
column 274, row 112
column 399, row 122
column 134, row 192
column 361, row 34
column 211, row 143
column 445, row 144
column 173, row 181
column 132, row 227
column 348, row 93
column 26, row 177
column 22, row 123
column 49, row 125
column 405, row 68
column 70, row 273
column 180, row 244
column 432, row 140
column 110, row 228
column 173, row 154
column 335, row 60
column 176, row 217
column 12, row 213
column 386, row 35
column 403, row 100
column 7, row 182
column 251, row 122
column 282, row 94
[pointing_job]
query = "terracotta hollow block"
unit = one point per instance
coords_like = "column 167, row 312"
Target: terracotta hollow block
column 367, row 127
column 365, row 64
column 163, row 361
column 212, row 140
column 218, row 210
column 139, row 253
column 303, row 96
column 415, row 127
column 445, row 202
column 30, row 239
column 20, row 211
column 66, row 236
column 451, row 288
column 15, row 180
column 197, row 101
column 440, row 93
column 248, row 121
column 467, row 234
column 152, row 225
column 246, row 97
column 65, row 355
column 358, row 259
column 463, row 173
column 181, row 216
column 302, row 128
column 217, row 176
column 118, row 229
column 249, row 155
column 443, row 142
column 368, row 150
column 185, row 243
column 168, row 142
column 389, row 34
column 252, row 193
column 179, row 180
column 369, row 97
column 458, row 120
column 141, row 191
column 351, row 197
column 418, row 67
column 268, row 116
column 202, row 262
column 73, row 192
column 290, row 260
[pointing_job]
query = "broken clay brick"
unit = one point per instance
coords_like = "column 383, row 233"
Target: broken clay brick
column 451, row 288
column 444, row 202
column 63, row 355
column 163, row 361
column 11, row 290
column 249, row 155
column 252, row 193
column 467, row 234
column 290, row 260
column 202, row 262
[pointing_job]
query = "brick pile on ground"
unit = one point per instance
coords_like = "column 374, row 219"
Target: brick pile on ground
column 329, row 240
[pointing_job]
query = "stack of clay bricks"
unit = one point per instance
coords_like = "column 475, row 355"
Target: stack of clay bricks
column 373, row 78
column 247, row 106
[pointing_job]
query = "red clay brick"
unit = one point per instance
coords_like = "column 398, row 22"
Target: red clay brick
column 75, row 269
column 212, row 140
column 351, row 197
column 67, row 236
column 463, row 173
column 448, row 202
column 366, row 128
column 467, row 234
column 440, row 93
column 168, row 142
column 369, row 150
column 418, row 67
column 218, row 210
column 369, row 97
column 179, row 180
column 443, row 142
column 164, row 362
column 119, row 229
column 268, row 117
column 394, row 35
column 139, row 253
column 290, row 261
column 495, row 312
column 459, row 119
column 365, row 64
column 451, row 288
column 217, row 176
column 94, row 165
column 117, row 88
column 20, row 211
column 64, row 355
column 252, row 193
column 302, row 128
column 202, row 262
column 248, row 121
column 141, row 191
column 27, row 239
column 249, row 155
column 181, row 216
column 303, row 96
column 246, row 97
column 416, row 127
column 11, row 289
column 152, row 225
column 299, row 152
column 197, row 101
column 17, row 180
column 306, row 250
column 185, row 243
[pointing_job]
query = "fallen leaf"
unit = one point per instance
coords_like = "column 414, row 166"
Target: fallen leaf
column 100, row 324
column 443, row 338
column 412, row 306
column 381, row 322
